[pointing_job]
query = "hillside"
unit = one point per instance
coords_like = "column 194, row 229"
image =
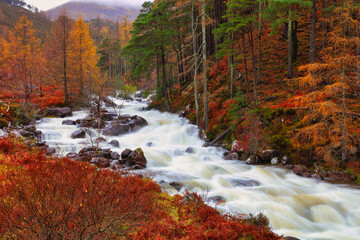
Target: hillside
column 9, row 15
column 91, row 10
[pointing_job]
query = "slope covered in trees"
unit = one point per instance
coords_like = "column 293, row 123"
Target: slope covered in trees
column 282, row 74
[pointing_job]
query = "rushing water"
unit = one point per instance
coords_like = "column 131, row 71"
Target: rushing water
column 299, row 207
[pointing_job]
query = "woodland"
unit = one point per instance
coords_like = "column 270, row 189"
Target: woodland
column 265, row 74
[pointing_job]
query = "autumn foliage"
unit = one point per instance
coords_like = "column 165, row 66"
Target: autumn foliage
column 47, row 198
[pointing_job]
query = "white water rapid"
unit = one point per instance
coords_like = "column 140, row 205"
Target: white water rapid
column 296, row 206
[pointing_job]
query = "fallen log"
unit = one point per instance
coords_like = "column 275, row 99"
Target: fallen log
column 217, row 139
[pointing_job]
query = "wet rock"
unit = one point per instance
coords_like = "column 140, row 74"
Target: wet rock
column 24, row 133
column 137, row 157
column 255, row 159
column 100, row 162
column 245, row 182
column 189, row 150
column 232, row 156
column 108, row 116
column 72, row 155
column 285, row 160
column 267, row 155
column 59, row 112
column 176, row 185
column 115, row 143
column 291, row 238
column 274, row 161
column 116, row 129
column 109, row 103
column 140, row 94
column 138, row 99
column 91, row 122
column 149, row 144
column 78, row 134
column 114, row 156
column 317, row 176
column 216, row 199
column 299, row 169
column 30, row 128
column 307, row 175
column 50, row 151
column 101, row 139
column 140, row 122
column 125, row 153
column 68, row 122
column 182, row 113
column 226, row 153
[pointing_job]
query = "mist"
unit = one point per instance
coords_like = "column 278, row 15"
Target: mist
column 133, row 3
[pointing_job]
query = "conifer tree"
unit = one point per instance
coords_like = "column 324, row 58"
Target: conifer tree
column 22, row 58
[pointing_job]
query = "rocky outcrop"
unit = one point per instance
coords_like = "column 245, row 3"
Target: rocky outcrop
column 104, row 158
column 58, row 112
column 109, row 103
column 115, row 143
column 68, row 122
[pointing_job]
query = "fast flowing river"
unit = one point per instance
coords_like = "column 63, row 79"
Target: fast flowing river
column 296, row 206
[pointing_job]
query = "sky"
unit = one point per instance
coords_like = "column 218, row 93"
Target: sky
column 47, row 4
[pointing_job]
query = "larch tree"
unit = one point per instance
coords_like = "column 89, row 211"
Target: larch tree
column 329, row 124
column 58, row 45
column 22, row 58
column 82, row 57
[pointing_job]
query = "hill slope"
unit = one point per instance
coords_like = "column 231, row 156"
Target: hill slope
column 92, row 10
column 9, row 15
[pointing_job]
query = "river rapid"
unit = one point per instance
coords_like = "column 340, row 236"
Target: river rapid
column 304, row 208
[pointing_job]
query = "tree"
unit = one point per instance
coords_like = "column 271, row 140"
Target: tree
column 82, row 57
column 285, row 11
column 59, row 47
column 331, row 85
column 22, row 58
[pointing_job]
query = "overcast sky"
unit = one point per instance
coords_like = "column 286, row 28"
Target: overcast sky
column 47, row 4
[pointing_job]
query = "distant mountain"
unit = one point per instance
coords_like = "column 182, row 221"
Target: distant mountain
column 93, row 10
column 11, row 11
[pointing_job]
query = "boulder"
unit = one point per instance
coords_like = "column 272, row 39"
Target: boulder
column 274, row 161
column 267, row 155
column 108, row 116
column 78, row 134
column 116, row 129
column 91, row 122
column 216, row 199
column 101, row 139
column 59, row 112
column 140, row 121
column 72, row 155
column 100, row 162
column 149, row 144
column 125, row 153
column 232, row 156
column 68, row 122
column 109, row 103
column 115, row 143
column 137, row 157
column 24, row 133
column 245, row 182
column 114, row 156
column 176, row 185
column 253, row 160
column 299, row 170
column 189, row 150
column 50, row 151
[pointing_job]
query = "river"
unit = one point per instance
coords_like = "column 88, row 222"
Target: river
column 304, row 208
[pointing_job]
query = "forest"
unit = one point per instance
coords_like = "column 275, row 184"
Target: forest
column 255, row 76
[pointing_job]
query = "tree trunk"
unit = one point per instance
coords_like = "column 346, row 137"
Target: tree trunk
column 313, row 33
column 246, row 70
column 357, row 52
column 259, row 43
column 251, row 42
column 206, row 110
column 195, row 50
column 290, row 47
column 163, row 63
column 66, row 94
